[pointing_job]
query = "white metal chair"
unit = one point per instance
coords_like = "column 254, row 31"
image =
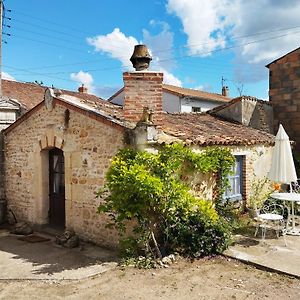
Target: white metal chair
column 271, row 217
column 295, row 188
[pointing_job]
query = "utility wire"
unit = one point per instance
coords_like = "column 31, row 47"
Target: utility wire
column 108, row 59
column 46, row 43
column 47, row 35
column 51, row 22
column 158, row 51
column 182, row 56
column 45, row 28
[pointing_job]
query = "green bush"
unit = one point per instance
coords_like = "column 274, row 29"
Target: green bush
column 198, row 232
column 147, row 188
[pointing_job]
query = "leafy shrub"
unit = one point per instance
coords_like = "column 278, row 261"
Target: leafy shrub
column 147, row 188
column 198, row 232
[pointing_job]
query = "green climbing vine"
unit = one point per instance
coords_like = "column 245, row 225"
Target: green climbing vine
column 148, row 189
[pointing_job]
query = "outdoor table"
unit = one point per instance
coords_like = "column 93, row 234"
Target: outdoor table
column 289, row 197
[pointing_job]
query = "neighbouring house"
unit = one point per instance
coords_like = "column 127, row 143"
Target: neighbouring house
column 178, row 99
column 57, row 154
column 20, row 97
column 248, row 111
column 284, row 93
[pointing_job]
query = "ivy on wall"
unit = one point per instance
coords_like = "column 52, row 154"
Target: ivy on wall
column 147, row 188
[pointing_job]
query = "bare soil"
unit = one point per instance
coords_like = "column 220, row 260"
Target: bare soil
column 215, row 278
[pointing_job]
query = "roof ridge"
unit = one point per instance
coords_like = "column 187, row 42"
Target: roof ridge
column 197, row 90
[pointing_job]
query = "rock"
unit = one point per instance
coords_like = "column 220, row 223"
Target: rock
column 72, row 242
column 68, row 239
column 166, row 260
column 22, row 228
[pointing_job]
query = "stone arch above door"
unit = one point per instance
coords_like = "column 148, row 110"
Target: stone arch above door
column 51, row 140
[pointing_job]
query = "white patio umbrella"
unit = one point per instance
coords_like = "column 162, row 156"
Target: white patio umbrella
column 282, row 167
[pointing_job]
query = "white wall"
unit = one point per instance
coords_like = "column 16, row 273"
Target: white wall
column 187, row 104
column 171, row 103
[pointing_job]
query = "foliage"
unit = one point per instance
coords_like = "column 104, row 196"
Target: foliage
column 260, row 191
column 148, row 189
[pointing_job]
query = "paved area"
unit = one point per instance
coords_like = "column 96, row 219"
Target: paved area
column 271, row 254
column 46, row 260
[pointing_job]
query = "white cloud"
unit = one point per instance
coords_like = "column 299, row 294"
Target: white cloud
column 116, row 44
column 84, row 78
column 7, row 76
column 204, row 23
column 213, row 24
column 169, row 78
column 120, row 46
column 87, row 80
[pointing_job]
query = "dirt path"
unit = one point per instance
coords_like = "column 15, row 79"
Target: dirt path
column 217, row 278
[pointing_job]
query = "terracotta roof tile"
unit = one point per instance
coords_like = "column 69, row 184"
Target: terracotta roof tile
column 193, row 128
column 204, row 129
column 195, row 93
column 30, row 94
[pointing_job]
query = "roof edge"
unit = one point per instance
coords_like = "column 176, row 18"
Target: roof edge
column 115, row 94
column 66, row 104
column 274, row 61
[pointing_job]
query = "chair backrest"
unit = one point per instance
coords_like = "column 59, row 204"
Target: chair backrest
column 273, row 208
column 294, row 187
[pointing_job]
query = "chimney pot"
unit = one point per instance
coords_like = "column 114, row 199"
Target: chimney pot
column 225, row 91
column 82, row 89
column 140, row 58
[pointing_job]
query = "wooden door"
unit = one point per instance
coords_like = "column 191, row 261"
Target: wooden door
column 56, row 188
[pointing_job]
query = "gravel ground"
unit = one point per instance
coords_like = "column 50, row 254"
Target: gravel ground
column 215, row 278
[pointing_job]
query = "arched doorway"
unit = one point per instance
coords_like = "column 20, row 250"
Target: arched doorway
column 57, row 216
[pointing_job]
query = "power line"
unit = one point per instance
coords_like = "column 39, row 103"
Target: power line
column 50, row 22
column 107, row 59
column 46, row 43
column 159, row 51
column 36, row 73
column 45, row 28
column 183, row 56
column 47, row 35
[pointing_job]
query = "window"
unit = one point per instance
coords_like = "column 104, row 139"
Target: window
column 196, row 109
column 236, row 181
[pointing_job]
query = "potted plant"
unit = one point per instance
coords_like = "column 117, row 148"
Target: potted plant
column 259, row 192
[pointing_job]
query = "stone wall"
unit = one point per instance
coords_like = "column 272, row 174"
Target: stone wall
column 88, row 147
column 284, row 92
column 2, row 182
column 2, row 177
column 256, row 165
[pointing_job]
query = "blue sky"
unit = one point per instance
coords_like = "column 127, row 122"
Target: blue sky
column 194, row 42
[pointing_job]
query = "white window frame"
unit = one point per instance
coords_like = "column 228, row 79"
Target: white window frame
column 235, row 192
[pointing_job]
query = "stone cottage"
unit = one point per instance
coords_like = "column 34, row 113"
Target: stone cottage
column 284, row 93
column 57, row 154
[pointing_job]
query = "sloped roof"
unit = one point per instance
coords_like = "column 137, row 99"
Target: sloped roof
column 281, row 57
column 235, row 100
column 193, row 128
column 206, row 130
column 184, row 92
column 30, row 94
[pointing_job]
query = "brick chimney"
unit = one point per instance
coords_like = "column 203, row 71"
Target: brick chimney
column 225, row 91
column 82, row 89
column 142, row 89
